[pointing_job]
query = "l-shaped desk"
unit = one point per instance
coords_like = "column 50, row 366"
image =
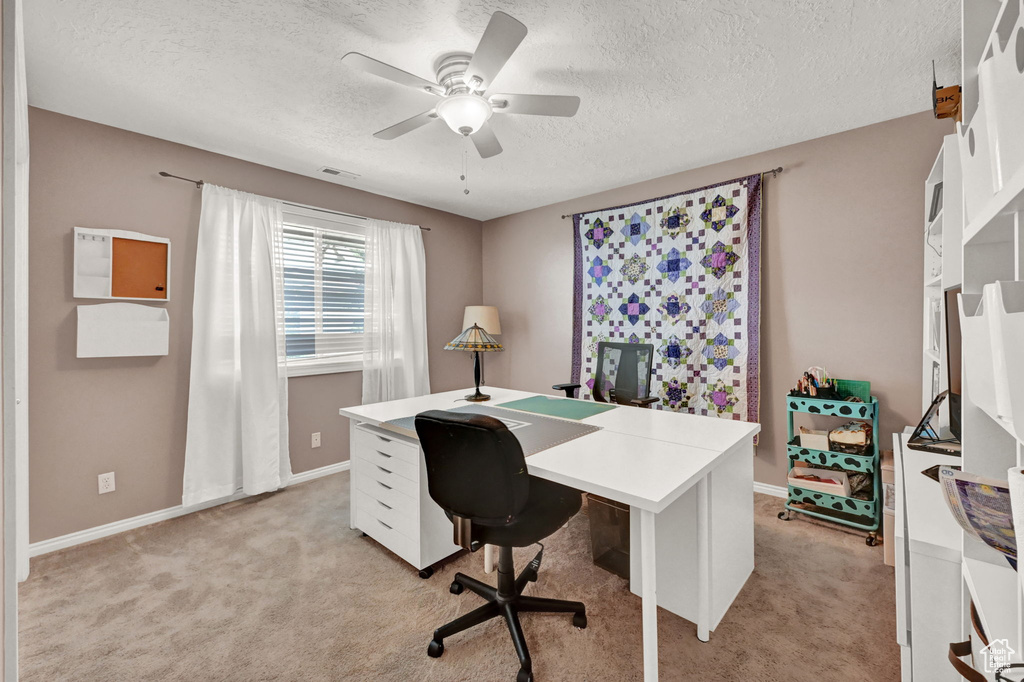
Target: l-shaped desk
column 688, row 478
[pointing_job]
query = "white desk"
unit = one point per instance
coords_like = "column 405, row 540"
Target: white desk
column 661, row 464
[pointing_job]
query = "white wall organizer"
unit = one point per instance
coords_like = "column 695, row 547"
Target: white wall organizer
column 118, row 264
column 1001, row 81
column 1005, row 300
column 976, row 159
column 979, row 370
column 993, row 327
column 113, row 330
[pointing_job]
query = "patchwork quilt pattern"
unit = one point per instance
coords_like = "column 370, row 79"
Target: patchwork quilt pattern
column 682, row 273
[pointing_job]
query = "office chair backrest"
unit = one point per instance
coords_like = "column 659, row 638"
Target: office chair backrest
column 475, row 466
column 623, row 372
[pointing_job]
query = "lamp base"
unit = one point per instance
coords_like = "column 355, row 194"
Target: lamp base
column 477, row 397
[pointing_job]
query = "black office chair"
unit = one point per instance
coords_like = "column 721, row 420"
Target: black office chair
column 624, row 371
column 476, row 472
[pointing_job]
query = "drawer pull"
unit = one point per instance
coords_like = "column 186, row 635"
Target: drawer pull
column 383, row 454
column 384, row 470
column 386, row 506
column 384, row 485
column 384, row 524
column 386, row 440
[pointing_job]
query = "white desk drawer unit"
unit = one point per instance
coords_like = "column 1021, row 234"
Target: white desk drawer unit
column 389, row 499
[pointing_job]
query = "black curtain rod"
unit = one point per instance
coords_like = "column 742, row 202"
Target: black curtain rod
column 199, row 185
column 774, row 171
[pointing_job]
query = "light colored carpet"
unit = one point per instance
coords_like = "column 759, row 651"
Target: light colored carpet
column 278, row 588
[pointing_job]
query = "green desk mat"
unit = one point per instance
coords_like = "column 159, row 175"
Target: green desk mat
column 558, row 407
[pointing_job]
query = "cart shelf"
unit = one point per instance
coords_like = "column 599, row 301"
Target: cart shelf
column 827, row 458
column 835, row 408
column 850, row 505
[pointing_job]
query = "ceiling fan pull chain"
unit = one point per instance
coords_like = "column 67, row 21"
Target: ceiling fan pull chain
column 465, row 170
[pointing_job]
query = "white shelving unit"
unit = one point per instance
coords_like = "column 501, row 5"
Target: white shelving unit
column 975, row 240
column 991, row 149
column 942, row 267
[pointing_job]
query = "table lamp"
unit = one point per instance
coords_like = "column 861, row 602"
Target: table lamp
column 486, row 316
column 477, row 340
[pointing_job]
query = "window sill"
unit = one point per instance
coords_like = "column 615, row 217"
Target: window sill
column 310, row 368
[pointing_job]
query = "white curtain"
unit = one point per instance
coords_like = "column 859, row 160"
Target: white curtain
column 395, row 337
column 238, row 394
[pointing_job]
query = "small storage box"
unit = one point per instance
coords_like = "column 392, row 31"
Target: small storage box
column 815, row 440
column 841, row 487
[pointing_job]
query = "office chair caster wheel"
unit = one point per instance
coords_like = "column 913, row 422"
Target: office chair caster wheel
column 784, row 515
column 580, row 620
column 426, row 573
column 871, row 540
column 435, row 649
column 456, row 588
column 524, row 675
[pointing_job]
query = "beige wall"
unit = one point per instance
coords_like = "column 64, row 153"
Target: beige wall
column 127, row 415
column 842, row 274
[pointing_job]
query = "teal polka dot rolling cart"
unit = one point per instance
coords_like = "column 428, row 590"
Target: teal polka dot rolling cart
column 855, row 512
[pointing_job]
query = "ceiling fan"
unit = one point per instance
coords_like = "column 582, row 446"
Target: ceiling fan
column 462, row 83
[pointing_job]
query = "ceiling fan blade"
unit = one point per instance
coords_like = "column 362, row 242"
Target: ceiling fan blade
column 500, row 40
column 536, row 105
column 486, row 142
column 377, row 68
column 406, row 126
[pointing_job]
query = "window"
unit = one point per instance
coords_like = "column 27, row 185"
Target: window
column 324, row 263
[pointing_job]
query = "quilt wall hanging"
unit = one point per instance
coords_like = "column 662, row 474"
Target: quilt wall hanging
column 682, row 273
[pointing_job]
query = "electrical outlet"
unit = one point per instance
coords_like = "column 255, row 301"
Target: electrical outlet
column 106, row 483
column 316, row 439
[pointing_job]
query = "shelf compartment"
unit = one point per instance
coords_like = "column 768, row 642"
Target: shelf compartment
column 861, row 463
column 836, row 408
column 992, row 587
column 982, row 228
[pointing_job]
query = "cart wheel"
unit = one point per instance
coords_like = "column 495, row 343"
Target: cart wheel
column 784, row 515
column 871, row 540
column 427, row 572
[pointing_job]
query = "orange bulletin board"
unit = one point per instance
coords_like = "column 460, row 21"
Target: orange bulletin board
column 138, row 269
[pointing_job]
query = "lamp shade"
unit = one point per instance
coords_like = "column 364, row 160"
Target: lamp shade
column 484, row 316
column 474, row 338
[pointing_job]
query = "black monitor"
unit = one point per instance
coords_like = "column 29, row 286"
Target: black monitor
column 953, row 359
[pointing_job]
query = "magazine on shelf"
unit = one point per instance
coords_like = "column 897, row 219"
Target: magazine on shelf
column 982, row 508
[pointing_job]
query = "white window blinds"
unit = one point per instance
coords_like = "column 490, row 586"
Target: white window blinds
column 324, row 264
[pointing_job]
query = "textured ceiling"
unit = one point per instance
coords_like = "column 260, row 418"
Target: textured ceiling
column 666, row 86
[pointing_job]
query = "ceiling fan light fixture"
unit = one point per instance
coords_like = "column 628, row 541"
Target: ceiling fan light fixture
column 465, row 113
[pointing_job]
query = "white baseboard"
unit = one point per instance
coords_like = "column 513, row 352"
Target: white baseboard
column 769, row 489
column 90, row 534
column 318, row 473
